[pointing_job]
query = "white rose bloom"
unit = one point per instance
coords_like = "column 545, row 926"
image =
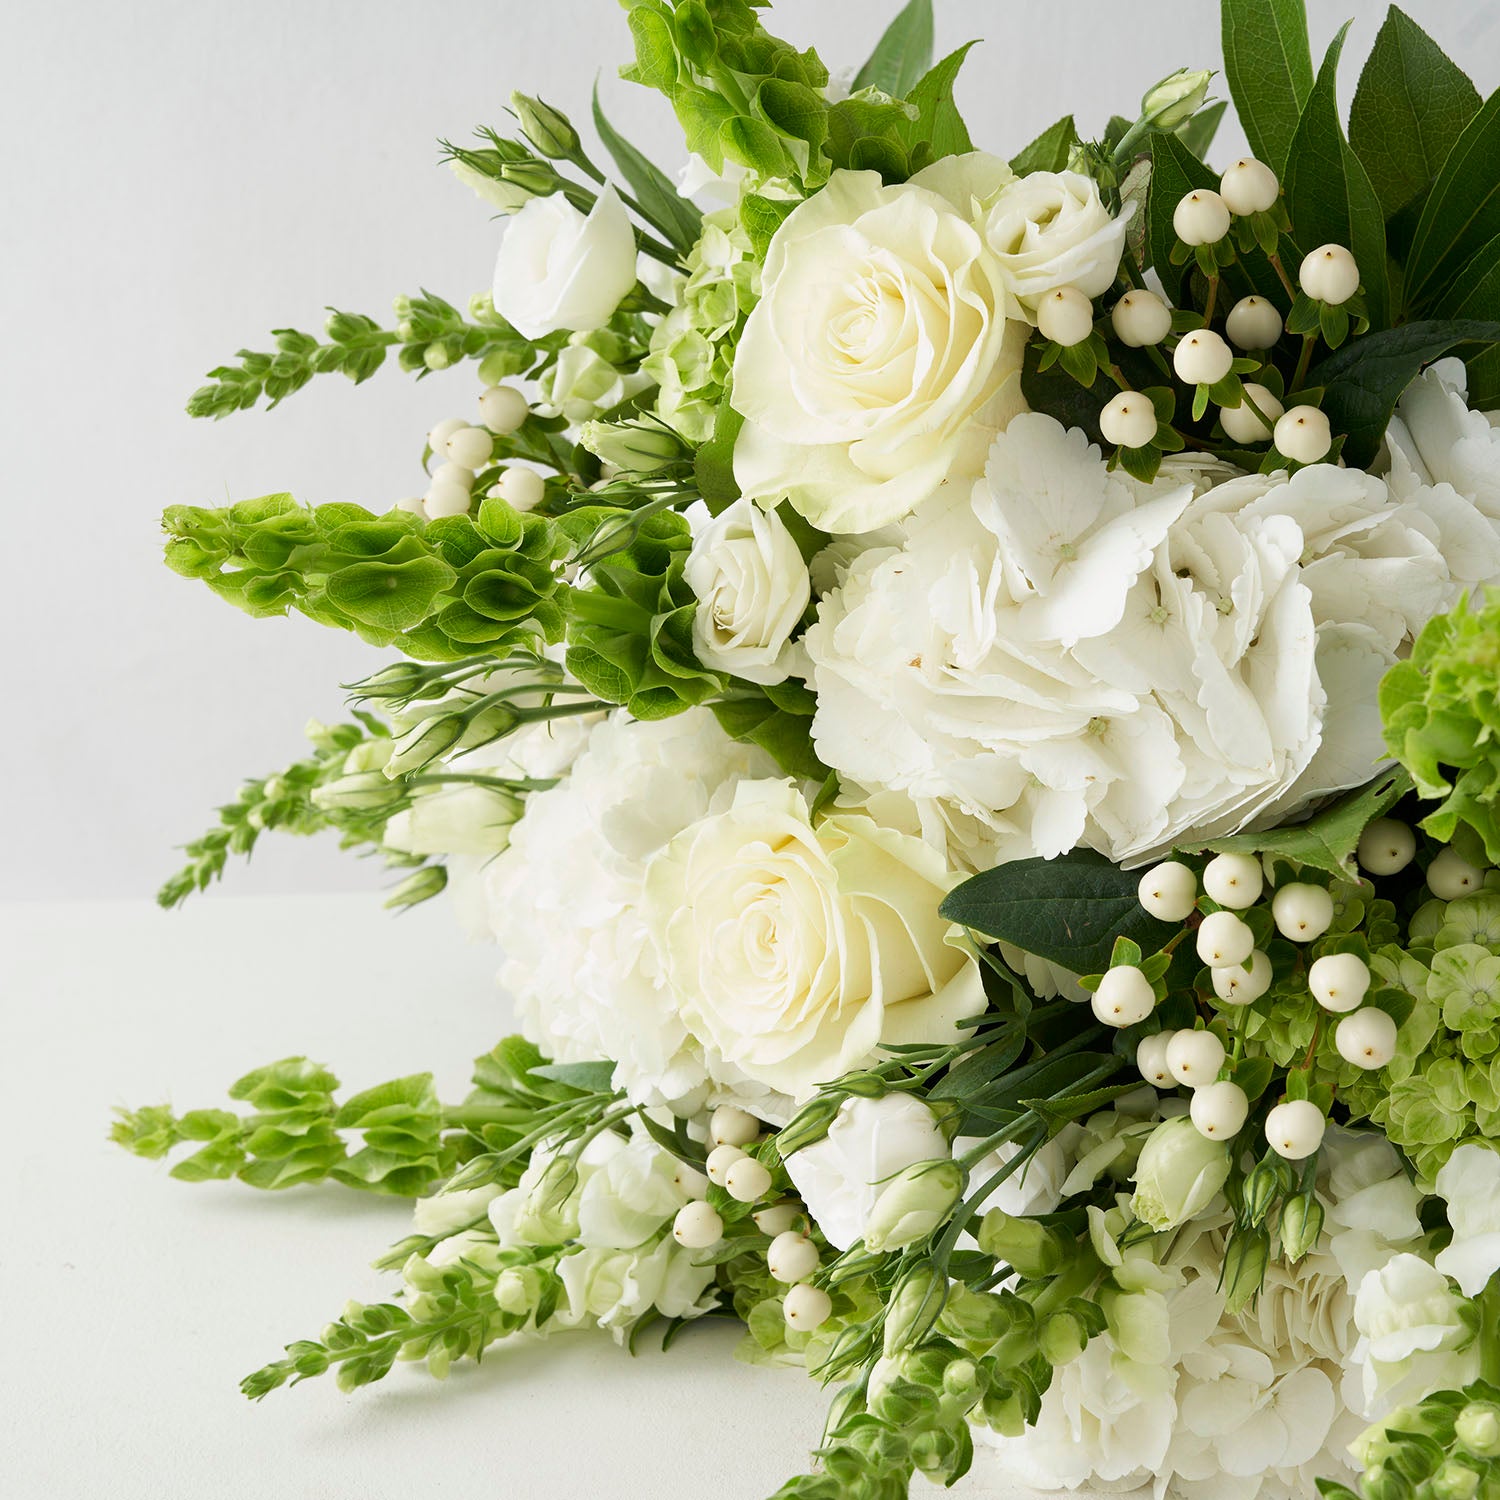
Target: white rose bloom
column 879, row 361
column 1051, row 229
column 869, row 1141
column 795, row 951
column 558, row 268
column 752, row 588
column 1469, row 1181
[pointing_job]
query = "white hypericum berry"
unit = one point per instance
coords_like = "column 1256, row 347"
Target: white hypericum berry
column 1338, row 981
column 1234, row 880
column 792, row 1257
column 1065, row 316
column 443, row 431
column 1151, row 1059
column 747, row 1180
column 452, row 473
column 777, row 1219
column 1303, row 434
column 1329, row 274
column 1195, row 1057
column 1224, row 939
column 446, row 498
column 1386, row 846
column 1242, row 425
column 469, row 446
column 1302, row 912
column 720, row 1160
column 1202, row 358
column 413, row 505
column 1253, row 323
column 521, row 488
column 1219, row 1109
column 1140, row 319
column 697, row 1226
column 1249, row 186
column 731, row 1126
column 502, row 408
column 1168, row 891
column 1128, row 420
column 1124, row 996
column 1367, row 1038
column 807, row 1307
column 1450, row 876
column 1201, row 218
column 1294, row 1128
column 1237, row 985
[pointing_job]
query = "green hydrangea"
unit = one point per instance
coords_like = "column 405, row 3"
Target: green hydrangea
column 1441, row 710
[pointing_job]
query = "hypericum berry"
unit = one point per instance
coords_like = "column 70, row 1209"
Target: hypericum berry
column 1140, row 319
column 747, row 1180
column 1195, row 1057
column 1237, row 985
column 1202, row 358
column 1386, row 847
column 446, row 498
column 1065, row 316
column 697, row 1226
column 720, row 1160
column 452, row 473
column 1294, row 1129
column 413, row 505
column 502, row 408
column 1338, row 981
column 1242, row 425
column 470, row 447
column 1302, row 912
column 731, row 1126
column 777, row 1219
column 806, row 1307
column 792, row 1257
column 1330, row 274
column 1234, row 880
column 1224, row 939
column 1124, row 996
column 1168, row 891
column 1303, row 434
column 443, row 431
column 1450, row 876
column 1249, row 186
column 1253, row 323
column 1128, row 420
column 1367, row 1038
column 1219, row 1109
column 520, row 488
column 1201, row 217
column 1151, row 1059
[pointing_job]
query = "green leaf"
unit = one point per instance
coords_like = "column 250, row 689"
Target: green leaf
column 902, row 56
column 389, row 596
column 1476, row 294
column 938, row 120
column 1409, row 109
column 1199, row 132
column 1268, row 65
column 669, row 212
column 1069, row 910
column 1050, row 151
column 1058, row 1112
column 586, row 1077
column 1328, row 193
column 1175, row 172
column 1363, row 381
column 1462, row 212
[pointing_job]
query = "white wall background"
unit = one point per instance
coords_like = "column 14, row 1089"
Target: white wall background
column 180, row 176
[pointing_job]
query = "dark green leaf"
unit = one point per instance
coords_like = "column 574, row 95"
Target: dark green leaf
column 1050, row 151
column 1269, row 68
column 669, row 212
column 1058, row 1112
column 1069, row 910
column 938, row 120
column 903, row 55
column 1175, row 172
column 1199, row 132
column 1476, row 294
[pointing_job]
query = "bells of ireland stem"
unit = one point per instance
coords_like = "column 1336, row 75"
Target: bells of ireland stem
column 913, row 1204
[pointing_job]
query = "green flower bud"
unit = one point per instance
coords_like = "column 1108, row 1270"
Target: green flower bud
column 424, row 742
column 913, row 1204
column 421, row 885
column 1004, row 1413
column 1179, row 1174
column 915, row 1306
column 935, row 1452
column 359, row 793
column 961, row 1382
column 1176, row 99
column 1301, row 1224
column 1023, row 1244
column 809, row 1124
column 1062, row 1338
column 1264, row 1183
column 1477, row 1429
column 547, row 129
column 1454, row 1481
column 500, row 364
column 983, row 1317
column 1245, row 1258
column 633, row 447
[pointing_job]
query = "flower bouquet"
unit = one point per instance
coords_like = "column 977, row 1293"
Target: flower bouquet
column 965, row 692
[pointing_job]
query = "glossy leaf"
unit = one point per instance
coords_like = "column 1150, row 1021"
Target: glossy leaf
column 676, row 217
column 1050, row 151
column 903, row 55
column 1268, row 65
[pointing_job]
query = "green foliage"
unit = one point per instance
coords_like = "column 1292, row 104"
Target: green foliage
column 1050, row 151
column 778, row 718
column 1268, row 65
column 656, row 194
column 1441, row 710
column 902, row 55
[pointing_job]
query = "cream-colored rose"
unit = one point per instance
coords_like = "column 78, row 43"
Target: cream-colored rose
column 795, row 951
column 752, row 588
column 879, row 361
column 1051, row 229
column 558, row 268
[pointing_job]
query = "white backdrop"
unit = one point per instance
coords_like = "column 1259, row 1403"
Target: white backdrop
column 178, row 178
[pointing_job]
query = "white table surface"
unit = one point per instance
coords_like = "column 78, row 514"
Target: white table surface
column 133, row 1303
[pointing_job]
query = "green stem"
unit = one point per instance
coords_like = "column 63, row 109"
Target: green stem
column 1304, row 361
column 1489, row 1331
column 1280, row 270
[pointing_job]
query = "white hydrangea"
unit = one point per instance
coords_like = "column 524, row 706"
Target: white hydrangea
column 1063, row 656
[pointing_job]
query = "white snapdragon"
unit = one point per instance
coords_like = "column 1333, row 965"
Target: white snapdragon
column 1469, row 1181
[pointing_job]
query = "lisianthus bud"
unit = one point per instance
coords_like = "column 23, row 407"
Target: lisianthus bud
column 1262, row 1183
column 631, row 446
column 424, row 742
column 358, row 793
column 421, row 885
column 1023, row 1244
column 550, row 131
column 1301, row 1224
column 547, row 1214
column 1180, row 1172
column 1245, row 1258
column 915, row 1307
column 913, row 1204
column 1176, row 99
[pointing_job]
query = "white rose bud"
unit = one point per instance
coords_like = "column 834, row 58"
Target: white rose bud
column 1202, row 358
column 1178, row 1175
column 1200, row 218
column 1253, row 323
column 1065, row 316
column 1128, row 420
column 1303, row 434
column 1051, row 229
column 1176, row 99
column 913, row 1204
column 1249, row 186
column 1141, row 319
column 1329, row 275
column 1242, row 425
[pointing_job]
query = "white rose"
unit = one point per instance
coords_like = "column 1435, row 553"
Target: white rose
column 458, row 819
column 560, row 269
column 1051, row 229
column 1179, row 1174
column 752, row 589
column 795, row 951
column 1470, row 1182
column 869, row 1141
column 879, row 360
